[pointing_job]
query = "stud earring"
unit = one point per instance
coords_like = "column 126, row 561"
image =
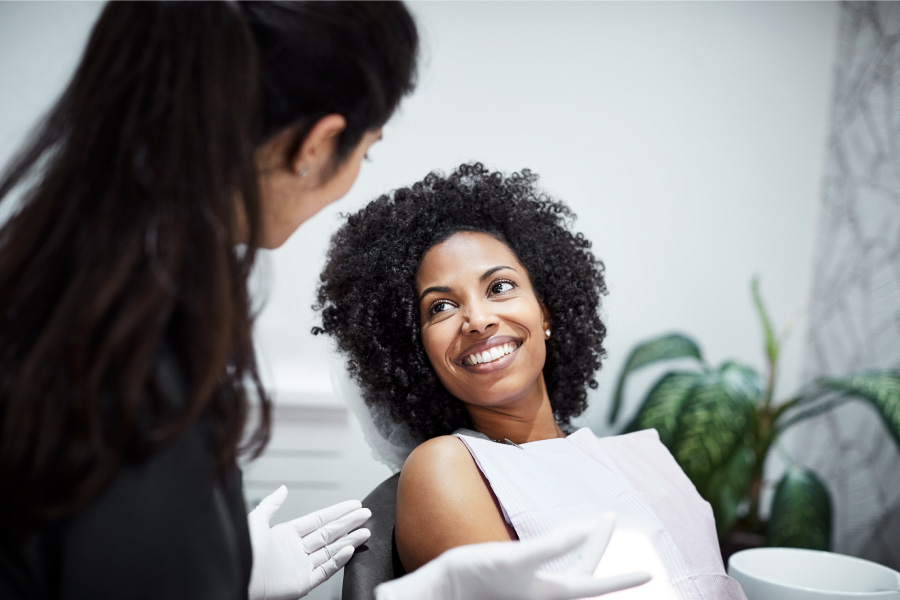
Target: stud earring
column 301, row 172
column 546, row 334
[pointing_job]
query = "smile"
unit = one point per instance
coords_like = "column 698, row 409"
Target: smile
column 490, row 355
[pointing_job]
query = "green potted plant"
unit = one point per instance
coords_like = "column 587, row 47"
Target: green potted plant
column 721, row 423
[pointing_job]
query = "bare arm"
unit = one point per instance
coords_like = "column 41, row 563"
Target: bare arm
column 443, row 501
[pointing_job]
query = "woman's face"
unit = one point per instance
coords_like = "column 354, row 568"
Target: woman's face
column 482, row 324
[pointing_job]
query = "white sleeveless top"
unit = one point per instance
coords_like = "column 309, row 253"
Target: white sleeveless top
column 662, row 524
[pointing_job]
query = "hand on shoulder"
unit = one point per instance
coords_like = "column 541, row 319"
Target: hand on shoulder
column 443, row 501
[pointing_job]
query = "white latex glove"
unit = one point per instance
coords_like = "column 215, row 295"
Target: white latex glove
column 292, row 558
column 508, row 570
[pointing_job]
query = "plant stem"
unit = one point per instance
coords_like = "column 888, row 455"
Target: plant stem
column 770, row 387
column 765, row 436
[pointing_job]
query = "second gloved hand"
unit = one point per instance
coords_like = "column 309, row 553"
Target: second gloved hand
column 509, row 570
column 292, row 558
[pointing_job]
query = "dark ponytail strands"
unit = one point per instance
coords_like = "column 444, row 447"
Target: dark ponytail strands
column 124, row 242
column 122, row 252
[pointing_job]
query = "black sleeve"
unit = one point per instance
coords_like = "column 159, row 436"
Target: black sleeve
column 169, row 528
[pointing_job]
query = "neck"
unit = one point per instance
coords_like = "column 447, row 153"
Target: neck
column 528, row 421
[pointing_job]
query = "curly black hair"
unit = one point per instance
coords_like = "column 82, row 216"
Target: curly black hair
column 368, row 301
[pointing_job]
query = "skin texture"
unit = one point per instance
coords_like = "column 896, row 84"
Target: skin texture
column 474, row 294
column 287, row 198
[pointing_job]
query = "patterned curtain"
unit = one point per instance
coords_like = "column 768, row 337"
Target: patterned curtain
column 854, row 314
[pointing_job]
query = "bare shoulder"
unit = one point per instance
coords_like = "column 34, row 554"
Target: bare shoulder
column 437, row 475
column 443, row 501
column 431, row 457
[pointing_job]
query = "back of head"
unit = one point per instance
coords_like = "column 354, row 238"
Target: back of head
column 369, row 303
column 356, row 59
column 133, row 196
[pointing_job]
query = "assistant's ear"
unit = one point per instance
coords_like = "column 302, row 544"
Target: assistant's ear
column 316, row 152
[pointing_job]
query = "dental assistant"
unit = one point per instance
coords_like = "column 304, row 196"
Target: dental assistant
column 190, row 135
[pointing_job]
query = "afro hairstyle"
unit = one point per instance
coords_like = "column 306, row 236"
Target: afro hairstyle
column 368, row 302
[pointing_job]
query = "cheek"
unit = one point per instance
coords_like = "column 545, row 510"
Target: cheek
column 432, row 345
column 347, row 179
column 436, row 350
column 348, row 173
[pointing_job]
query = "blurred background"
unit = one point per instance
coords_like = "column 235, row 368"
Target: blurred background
column 700, row 143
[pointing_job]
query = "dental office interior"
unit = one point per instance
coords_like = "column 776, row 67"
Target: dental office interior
column 702, row 145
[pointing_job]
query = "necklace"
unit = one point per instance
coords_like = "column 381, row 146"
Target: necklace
column 507, row 441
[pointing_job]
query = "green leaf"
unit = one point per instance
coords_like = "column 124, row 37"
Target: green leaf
column 880, row 388
column 791, row 406
column 769, row 333
column 666, row 347
column 704, row 420
column 801, row 512
column 729, row 485
column 743, row 380
column 810, row 410
column 714, row 422
column 662, row 405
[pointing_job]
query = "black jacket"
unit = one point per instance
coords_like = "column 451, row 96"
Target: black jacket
column 167, row 528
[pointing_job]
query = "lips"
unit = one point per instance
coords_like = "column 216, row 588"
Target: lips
column 488, row 351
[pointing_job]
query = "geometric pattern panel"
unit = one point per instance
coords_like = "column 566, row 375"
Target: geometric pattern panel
column 854, row 309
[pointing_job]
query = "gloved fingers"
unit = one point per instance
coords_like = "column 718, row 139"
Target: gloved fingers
column 354, row 538
column 335, row 530
column 331, row 566
column 308, row 523
column 592, row 549
column 269, row 505
column 530, row 554
column 560, row 586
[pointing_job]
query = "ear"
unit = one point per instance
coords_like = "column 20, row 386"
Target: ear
column 545, row 315
column 316, row 152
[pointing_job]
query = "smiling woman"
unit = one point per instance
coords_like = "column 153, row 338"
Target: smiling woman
column 370, row 295
column 466, row 306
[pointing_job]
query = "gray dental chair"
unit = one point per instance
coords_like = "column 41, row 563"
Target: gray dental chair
column 375, row 561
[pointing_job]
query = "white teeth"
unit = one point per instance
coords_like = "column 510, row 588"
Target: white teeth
column 491, row 354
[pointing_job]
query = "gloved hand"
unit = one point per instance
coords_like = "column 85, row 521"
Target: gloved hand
column 292, row 558
column 507, row 570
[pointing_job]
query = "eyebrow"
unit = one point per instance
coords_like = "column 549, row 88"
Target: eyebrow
column 493, row 270
column 442, row 289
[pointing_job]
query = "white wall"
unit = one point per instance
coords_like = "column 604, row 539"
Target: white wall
column 40, row 44
column 689, row 137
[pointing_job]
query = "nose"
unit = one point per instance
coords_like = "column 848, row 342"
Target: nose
column 478, row 317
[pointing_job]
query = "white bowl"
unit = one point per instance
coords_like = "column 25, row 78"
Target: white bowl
column 794, row 574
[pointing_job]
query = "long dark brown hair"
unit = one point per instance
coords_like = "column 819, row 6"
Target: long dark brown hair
column 122, row 248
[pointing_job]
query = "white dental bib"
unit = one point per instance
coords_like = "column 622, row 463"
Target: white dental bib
column 662, row 524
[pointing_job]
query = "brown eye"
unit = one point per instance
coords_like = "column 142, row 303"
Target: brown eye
column 500, row 287
column 438, row 307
